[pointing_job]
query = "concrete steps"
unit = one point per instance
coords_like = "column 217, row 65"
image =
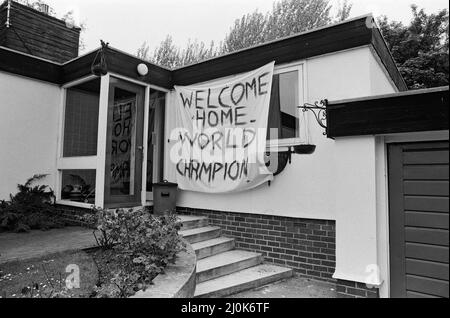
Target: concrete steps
column 226, row 263
column 200, row 234
column 223, row 270
column 213, row 246
column 191, row 222
column 249, row 278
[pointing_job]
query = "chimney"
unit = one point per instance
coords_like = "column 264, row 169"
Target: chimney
column 35, row 32
column 44, row 8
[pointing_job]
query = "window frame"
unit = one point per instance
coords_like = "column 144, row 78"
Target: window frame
column 299, row 66
column 159, row 147
column 71, row 163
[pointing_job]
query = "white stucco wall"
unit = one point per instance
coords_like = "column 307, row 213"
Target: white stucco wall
column 306, row 188
column 380, row 82
column 28, row 131
column 356, row 199
column 360, row 196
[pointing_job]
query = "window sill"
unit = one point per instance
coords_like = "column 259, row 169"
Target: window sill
column 75, row 204
column 281, row 145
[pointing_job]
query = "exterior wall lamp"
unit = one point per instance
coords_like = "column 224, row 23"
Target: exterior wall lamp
column 99, row 66
column 142, row 69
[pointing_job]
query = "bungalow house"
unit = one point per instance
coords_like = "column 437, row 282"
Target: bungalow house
column 366, row 209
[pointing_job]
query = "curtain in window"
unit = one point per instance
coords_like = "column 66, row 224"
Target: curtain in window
column 274, row 130
column 281, row 125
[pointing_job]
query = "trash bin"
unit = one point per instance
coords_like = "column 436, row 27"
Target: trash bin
column 164, row 197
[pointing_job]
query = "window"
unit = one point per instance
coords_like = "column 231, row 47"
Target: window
column 81, row 120
column 286, row 96
column 77, row 160
column 78, row 186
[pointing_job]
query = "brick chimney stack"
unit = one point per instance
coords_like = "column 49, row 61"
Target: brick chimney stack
column 35, row 32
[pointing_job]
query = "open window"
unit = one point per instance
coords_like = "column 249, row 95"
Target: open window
column 287, row 94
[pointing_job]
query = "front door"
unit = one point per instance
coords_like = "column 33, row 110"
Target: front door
column 124, row 144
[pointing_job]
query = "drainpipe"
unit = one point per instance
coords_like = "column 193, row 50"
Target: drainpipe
column 8, row 10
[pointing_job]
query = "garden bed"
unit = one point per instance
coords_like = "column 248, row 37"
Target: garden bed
column 45, row 277
column 132, row 248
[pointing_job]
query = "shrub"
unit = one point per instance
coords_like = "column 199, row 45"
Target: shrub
column 31, row 208
column 144, row 246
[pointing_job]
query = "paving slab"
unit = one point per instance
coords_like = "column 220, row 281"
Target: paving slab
column 295, row 287
column 36, row 243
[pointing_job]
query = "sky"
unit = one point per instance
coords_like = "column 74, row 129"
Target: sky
column 126, row 24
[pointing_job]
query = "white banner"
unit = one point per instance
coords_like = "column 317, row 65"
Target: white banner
column 221, row 133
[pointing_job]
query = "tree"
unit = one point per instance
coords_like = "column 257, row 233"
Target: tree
column 166, row 54
column 143, row 52
column 294, row 16
column 170, row 56
column 197, row 51
column 344, row 10
column 420, row 49
column 286, row 18
column 247, row 31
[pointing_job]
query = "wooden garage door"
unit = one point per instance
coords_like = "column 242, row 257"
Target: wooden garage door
column 418, row 216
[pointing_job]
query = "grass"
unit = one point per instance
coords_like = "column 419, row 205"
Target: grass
column 45, row 277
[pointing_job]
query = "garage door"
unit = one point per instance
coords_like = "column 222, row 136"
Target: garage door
column 418, row 216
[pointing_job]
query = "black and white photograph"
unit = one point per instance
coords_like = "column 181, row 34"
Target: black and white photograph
column 224, row 157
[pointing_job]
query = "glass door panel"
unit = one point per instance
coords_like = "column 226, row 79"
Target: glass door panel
column 155, row 146
column 123, row 174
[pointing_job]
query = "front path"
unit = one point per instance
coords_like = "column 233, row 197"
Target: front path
column 24, row 246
